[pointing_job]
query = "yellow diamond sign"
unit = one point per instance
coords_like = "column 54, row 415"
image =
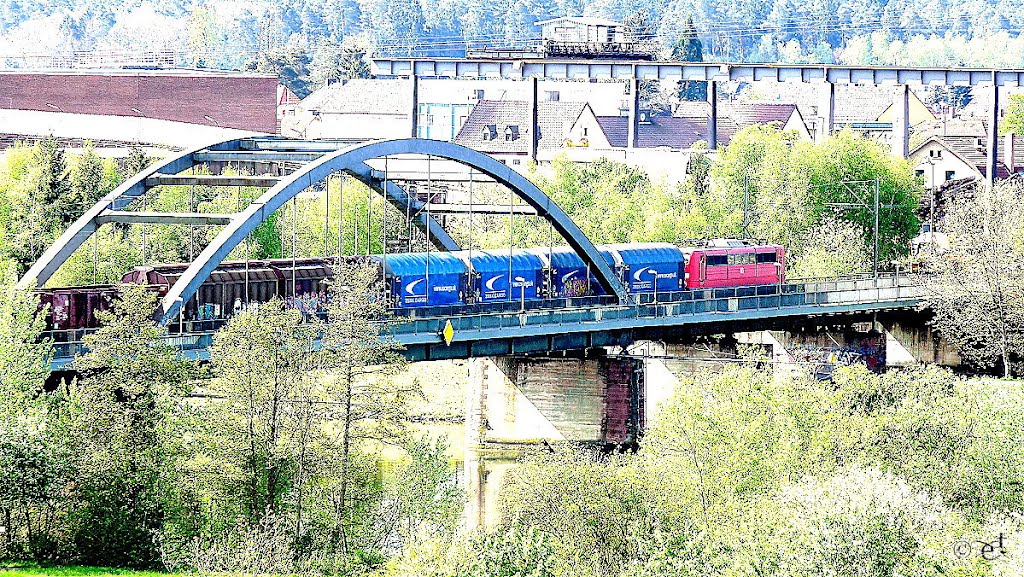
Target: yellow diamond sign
column 448, row 332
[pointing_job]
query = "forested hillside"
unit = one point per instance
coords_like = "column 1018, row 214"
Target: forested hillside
column 298, row 38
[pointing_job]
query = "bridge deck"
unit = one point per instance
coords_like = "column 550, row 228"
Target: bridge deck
column 588, row 323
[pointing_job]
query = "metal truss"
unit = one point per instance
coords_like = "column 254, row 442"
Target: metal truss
column 309, row 162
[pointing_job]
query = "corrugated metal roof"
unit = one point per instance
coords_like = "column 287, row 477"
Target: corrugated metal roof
column 416, row 264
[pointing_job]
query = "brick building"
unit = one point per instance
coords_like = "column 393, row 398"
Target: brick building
column 233, row 100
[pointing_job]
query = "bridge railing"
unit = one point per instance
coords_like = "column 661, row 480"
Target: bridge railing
column 816, row 292
column 198, row 335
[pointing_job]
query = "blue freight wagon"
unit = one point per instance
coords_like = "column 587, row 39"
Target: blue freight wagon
column 491, row 281
column 417, row 280
column 644, row 266
column 570, row 276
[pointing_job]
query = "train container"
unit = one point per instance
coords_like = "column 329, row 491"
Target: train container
column 571, row 277
column 75, row 308
column 417, row 280
column 491, row 281
column 650, row 267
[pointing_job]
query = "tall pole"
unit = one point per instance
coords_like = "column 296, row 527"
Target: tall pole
column 341, row 217
column 295, row 234
column 992, row 162
column 511, row 242
column 369, row 219
column 931, row 203
column 876, row 230
column 746, row 205
column 327, row 218
column 384, row 218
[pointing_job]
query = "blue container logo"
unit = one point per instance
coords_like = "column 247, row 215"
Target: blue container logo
column 644, row 277
column 410, row 289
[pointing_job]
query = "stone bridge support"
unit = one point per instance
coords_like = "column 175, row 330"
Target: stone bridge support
column 911, row 339
column 531, row 399
column 514, row 401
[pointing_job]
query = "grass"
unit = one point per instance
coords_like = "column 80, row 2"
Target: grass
column 33, row 571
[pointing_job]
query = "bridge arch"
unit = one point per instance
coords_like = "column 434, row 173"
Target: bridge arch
column 135, row 187
column 352, row 160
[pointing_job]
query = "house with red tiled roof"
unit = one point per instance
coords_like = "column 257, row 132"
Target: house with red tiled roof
column 732, row 116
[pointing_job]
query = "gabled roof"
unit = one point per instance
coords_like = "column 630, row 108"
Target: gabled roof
column 748, row 113
column 554, row 119
column 973, row 151
column 661, row 131
column 853, row 103
column 362, row 96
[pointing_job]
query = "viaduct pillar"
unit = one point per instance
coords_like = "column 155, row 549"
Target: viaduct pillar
column 517, row 401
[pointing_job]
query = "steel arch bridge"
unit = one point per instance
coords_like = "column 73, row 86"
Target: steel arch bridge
column 313, row 163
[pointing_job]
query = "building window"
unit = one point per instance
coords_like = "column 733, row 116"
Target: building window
column 585, row 131
column 478, row 94
column 919, row 173
column 552, row 95
column 950, row 175
column 490, row 132
column 515, row 161
column 512, row 132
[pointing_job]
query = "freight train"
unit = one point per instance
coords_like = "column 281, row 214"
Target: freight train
column 423, row 280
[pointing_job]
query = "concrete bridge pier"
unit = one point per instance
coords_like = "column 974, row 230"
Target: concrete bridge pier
column 516, row 402
column 587, row 399
column 911, row 339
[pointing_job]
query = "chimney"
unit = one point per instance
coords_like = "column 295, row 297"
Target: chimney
column 1008, row 153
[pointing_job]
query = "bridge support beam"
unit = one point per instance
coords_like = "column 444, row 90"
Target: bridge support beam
column 534, row 115
column 992, row 162
column 901, row 123
column 826, row 113
column 528, row 399
column 511, row 401
column 713, row 115
column 633, row 128
column 414, row 107
column 911, row 339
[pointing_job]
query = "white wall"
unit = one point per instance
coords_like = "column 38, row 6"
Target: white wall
column 942, row 164
column 123, row 128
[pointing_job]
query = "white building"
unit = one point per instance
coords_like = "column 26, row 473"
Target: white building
column 381, row 108
column 581, row 29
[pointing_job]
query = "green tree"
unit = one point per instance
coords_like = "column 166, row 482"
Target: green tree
column 977, row 291
column 1013, row 121
column 136, row 161
column 688, row 48
column 32, row 466
column 371, row 408
column 132, row 381
column 791, row 185
column 87, row 178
